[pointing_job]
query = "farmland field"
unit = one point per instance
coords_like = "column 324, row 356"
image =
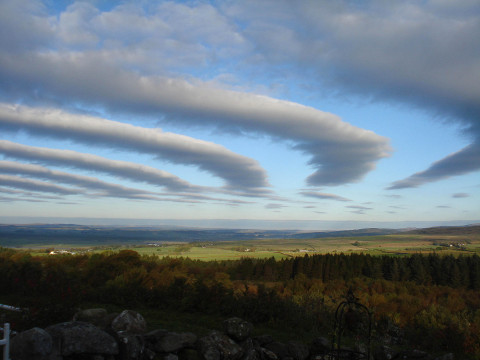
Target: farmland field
column 459, row 243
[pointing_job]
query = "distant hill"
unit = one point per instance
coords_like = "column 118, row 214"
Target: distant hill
column 448, row 230
column 345, row 233
column 35, row 235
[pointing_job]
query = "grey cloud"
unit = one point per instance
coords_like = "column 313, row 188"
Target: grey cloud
column 459, row 163
column 73, row 159
column 14, row 199
column 91, row 162
column 87, row 182
column 18, row 182
column 237, row 170
column 358, row 207
column 420, row 53
column 274, row 206
column 340, row 152
column 30, row 194
column 460, row 195
column 323, row 196
column 394, row 196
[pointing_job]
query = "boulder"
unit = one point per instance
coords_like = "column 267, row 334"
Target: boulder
column 268, row 355
column 298, row 350
column 412, row 354
column 263, row 340
column 279, row 349
column 320, row 346
column 189, row 354
column 97, row 317
column 252, row 354
column 131, row 346
column 170, row 357
column 130, row 321
column 448, row 356
column 173, row 342
column 237, row 328
column 78, row 337
column 153, row 337
column 384, row 353
column 33, row 344
column 218, row 346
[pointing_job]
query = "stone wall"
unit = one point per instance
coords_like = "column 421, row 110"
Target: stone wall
column 94, row 334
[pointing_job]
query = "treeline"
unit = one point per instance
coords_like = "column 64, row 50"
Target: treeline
column 431, row 269
column 434, row 300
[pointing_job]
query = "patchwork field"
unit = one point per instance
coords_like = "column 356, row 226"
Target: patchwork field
column 462, row 243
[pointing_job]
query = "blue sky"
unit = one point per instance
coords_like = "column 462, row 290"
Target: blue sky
column 261, row 110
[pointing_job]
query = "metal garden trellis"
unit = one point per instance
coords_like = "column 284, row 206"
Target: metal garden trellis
column 354, row 319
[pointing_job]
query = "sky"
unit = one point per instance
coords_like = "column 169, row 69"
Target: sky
column 325, row 111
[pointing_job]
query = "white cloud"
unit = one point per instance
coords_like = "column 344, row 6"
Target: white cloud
column 74, row 159
column 238, row 171
column 18, row 182
column 323, row 196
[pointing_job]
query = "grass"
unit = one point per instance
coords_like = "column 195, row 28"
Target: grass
column 397, row 244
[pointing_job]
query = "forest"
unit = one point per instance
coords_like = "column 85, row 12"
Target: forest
column 432, row 300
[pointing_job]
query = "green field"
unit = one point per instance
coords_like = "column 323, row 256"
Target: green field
column 398, row 244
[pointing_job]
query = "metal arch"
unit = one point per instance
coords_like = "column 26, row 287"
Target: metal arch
column 351, row 302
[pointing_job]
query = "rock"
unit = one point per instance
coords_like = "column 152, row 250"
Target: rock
column 170, row 357
column 448, row 356
column 384, row 353
column 97, row 317
column 78, row 337
column 298, row 350
column 263, row 340
column 320, row 346
column 412, row 354
column 153, row 337
column 33, row 344
column 173, row 342
column 131, row 346
column 130, row 321
column 279, row 349
column 189, row 354
column 267, row 354
column 148, row 354
column 218, row 346
column 237, row 328
column 252, row 354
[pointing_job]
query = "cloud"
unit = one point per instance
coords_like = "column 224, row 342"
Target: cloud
column 420, row 53
column 29, row 194
column 74, row 159
column 460, row 195
column 237, row 170
column 423, row 54
column 459, row 163
column 18, row 182
column 87, row 182
column 274, row 206
column 358, row 207
column 116, row 168
column 323, row 196
column 340, row 153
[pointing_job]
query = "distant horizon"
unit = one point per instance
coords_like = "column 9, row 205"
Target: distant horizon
column 242, row 224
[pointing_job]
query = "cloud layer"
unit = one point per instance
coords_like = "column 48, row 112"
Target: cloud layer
column 227, row 73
